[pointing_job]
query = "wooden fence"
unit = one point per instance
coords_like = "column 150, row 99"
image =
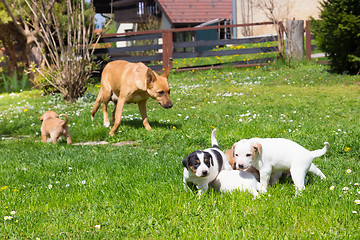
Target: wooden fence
column 164, row 49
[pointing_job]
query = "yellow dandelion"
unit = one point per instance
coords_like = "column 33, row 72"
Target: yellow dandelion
column 25, row 110
column 212, row 127
column 174, row 127
column 3, row 188
column 347, row 149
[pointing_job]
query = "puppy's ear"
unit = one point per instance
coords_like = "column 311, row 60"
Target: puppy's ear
column 233, row 149
column 257, row 148
column 150, row 76
column 185, row 162
column 42, row 118
column 212, row 160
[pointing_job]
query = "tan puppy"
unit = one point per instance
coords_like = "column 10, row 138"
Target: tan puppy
column 124, row 82
column 53, row 127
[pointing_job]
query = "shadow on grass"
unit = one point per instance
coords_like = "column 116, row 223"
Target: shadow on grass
column 154, row 124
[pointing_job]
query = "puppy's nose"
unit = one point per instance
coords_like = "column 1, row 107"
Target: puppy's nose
column 204, row 172
column 241, row 166
column 170, row 105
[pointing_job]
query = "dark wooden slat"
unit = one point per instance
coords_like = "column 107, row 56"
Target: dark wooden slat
column 225, row 52
column 129, row 38
column 112, row 51
column 224, row 42
column 249, row 63
column 138, row 58
column 188, row 29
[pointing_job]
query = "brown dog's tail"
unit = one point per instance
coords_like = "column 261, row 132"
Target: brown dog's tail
column 66, row 119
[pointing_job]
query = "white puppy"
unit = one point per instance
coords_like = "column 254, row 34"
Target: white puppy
column 271, row 155
column 201, row 167
column 228, row 181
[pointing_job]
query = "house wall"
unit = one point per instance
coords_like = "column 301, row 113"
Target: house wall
column 298, row 9
column 122, row 28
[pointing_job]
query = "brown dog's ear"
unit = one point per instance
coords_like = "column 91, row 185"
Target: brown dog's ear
column 42, row 118
column 257, row 147
column 150, row 76
column 166, row 73
column 233, row 149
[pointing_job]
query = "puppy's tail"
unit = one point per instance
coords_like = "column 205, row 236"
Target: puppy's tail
column 214, row 143
column 66, row 119
column 320, row 152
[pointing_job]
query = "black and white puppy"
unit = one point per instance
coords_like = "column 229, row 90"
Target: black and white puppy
column 203, row 166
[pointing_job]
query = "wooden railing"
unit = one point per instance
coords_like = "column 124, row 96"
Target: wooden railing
column 164, row 48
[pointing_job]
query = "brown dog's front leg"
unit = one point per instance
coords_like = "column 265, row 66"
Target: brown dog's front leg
column 118, row 115
column 142, row 108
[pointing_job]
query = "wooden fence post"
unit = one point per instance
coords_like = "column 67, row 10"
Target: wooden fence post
column 295, row 39
column 167, row 49
column 308, row 40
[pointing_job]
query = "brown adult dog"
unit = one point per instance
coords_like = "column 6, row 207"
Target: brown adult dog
column 52, row 126
column 124, row 82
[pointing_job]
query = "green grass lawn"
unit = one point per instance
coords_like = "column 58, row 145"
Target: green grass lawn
column 135, row 191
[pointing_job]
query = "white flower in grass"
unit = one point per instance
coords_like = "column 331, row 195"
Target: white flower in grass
column 12, row 212
column 8, row 218
column 357, row 201
column 97, row 226
column 345, row 189
column 83, row 181
column 332, row 187
column 49, row 186
column 356, row 184
column 348, row 171
column 354, row 212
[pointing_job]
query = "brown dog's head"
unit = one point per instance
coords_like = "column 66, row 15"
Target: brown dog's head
column 48, row 115
column 158, row 87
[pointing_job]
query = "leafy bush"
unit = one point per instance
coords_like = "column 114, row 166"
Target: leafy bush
column 13, row 83
column 43, row 84
column 338, row 35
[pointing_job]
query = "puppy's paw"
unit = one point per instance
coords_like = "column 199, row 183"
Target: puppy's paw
column 107, row 124
column 92, row 118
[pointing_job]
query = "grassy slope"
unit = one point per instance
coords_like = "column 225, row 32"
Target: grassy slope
column 136, row 191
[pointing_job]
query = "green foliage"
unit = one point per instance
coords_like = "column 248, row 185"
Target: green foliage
column 41, row 82
column 337, row 33
column 13, row 83
column 4, row 16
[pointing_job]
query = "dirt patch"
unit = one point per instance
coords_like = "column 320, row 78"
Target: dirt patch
column 104, row 142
